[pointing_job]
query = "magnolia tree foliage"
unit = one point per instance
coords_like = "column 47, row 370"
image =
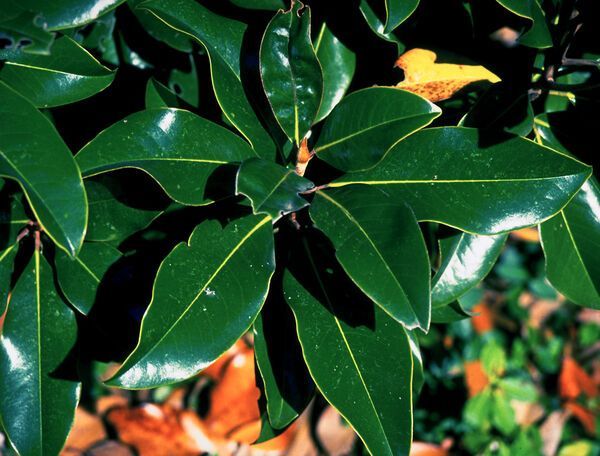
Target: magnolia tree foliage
column 178, row 174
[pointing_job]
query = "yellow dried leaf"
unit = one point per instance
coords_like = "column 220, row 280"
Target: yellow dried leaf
column 437, row 81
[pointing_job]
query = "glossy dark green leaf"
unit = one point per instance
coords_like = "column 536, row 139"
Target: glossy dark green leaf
column 179, row 149
column 206, row 295
column 449, row 313
column 64, row 14
column 159, row 95
column 131, row 57
column 466, row 260
column 159, row 30
column 571, row 242
column 22, row 30
column 538, row 34
column 363, row 127
column 271, row 188
column 571, row 239
column 290, row 71
column 351, row 346
column 79, row 277
column 379, row 244
column 338, row 64
column 222, row 39
column 287, row 384
column 39, row 395
column 33, row 154
column 473, row 181
column 68, row 74
column 397, row 11
column 378, row 26
column 7, row 258
column 270, row 5
column 113, row 216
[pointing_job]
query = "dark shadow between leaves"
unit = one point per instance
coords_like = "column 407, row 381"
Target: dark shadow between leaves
column 314, row 265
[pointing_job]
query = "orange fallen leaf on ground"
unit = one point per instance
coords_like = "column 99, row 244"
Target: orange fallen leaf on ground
column 574, row 381
column 475, row 377
column 87, row 430
column 152, row 428
column 437, row 81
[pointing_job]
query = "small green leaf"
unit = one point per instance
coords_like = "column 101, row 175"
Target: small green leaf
column 449, row 313
column 206, row 295
column 351, row 346
column 290, row 70
column 478, row 409
column 460, row 177
column 222, row 39
column 378, row 27
column 7, row 258
column 179, row 149
column 114, row 214
column 538, row 35
column 397, row 11
column 79, row 277
column 379, row 244
column 367, row 123
column 338, row 64
column 466, row 260
column 503, row 416
column 272, row 189
column 160, row 96
column 68, row 74
column 39, row 396
column 33, row 154
column 287, row 383
column 493, row 359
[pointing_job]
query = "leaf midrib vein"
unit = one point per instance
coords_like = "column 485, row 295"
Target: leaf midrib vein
column 347, row 345
column 350, row 217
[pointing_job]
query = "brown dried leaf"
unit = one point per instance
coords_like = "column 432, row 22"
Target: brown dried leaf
column 551, row 431
column 574, row 381
column 87, row 430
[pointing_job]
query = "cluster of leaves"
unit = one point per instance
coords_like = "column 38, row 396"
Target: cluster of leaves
column 516, row 375
column 335, row 227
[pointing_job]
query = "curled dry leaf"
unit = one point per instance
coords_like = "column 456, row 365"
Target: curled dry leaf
column 437, row 81
column 151, row 428
column 475, row 377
